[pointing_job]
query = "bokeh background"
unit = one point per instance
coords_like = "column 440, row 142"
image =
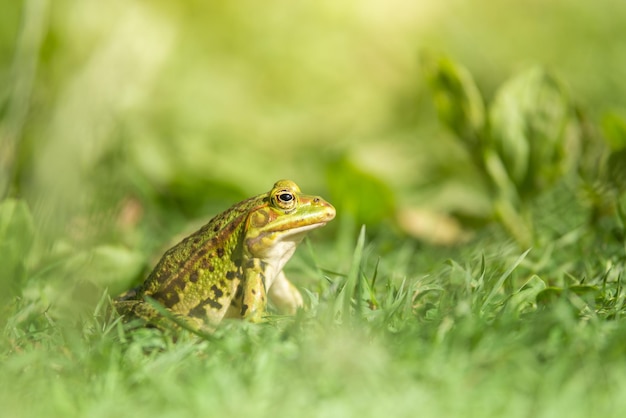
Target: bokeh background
column 124, row 114
column 488, row 280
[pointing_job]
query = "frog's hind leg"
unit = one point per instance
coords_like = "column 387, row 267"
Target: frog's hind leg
column 144, row 314
column 284, row 295
column 128, row 296
column 134, row 310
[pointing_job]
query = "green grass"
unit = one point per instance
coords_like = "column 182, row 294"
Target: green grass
column 484, row 329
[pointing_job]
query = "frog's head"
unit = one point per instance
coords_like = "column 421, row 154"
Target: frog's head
column 276, row 226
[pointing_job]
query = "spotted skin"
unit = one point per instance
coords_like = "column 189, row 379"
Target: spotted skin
column 228, row 267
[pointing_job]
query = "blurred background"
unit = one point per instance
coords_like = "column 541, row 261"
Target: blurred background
column 118, row 116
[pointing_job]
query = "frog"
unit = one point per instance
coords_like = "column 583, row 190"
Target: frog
column 231, row 266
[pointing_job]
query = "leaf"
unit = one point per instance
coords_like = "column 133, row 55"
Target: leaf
column 616, row 170
column 584, row 293
column 457, row 99
column 17, row 235
column 527, row 295
column 549, row 296
column 109, row 264
column 614, row 130
column 358, row 193
column 533, row 129
column 496, row 288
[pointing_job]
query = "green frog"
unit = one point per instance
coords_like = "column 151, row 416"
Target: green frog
column 232, row 265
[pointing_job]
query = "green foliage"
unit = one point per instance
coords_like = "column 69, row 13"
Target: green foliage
column 614, row 129
column 458, row 100
column 17, row 236
column 530, row 141
column 616, row 170
column 532, row 129
column 359, row 194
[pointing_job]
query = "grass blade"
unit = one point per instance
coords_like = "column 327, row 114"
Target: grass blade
column 502, row 278
column 344, row 298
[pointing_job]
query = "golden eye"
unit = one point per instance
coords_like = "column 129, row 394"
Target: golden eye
column 284, row 199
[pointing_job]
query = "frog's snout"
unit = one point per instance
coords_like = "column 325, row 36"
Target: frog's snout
column 328, row 210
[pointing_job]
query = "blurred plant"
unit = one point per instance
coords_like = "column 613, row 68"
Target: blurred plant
column 522, row 143
column 17, row 235
column 15, row 97
column 40, row 279
column 614, row 129
column 359, row 194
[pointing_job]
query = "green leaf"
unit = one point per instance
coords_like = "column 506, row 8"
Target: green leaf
column 533, row 129
column 457, row 99
column 496, row 288
column 527, row 295
column 614, row 130
column 359, row 194
column 549, row 295
column 572, row 294
column 17, row 234
column 616, row 170
column 110, row 264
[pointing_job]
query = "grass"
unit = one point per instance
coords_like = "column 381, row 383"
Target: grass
column 484, row 329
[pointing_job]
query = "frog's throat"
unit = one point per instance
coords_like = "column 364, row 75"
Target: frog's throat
column 275, row 245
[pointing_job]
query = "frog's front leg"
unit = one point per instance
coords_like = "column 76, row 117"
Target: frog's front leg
column 284, row 295
column 254, row 294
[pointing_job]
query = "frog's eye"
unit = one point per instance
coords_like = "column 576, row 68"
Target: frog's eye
column 285, row 199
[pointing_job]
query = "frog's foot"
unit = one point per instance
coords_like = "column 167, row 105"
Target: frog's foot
column 128, row 296
column 284, row 295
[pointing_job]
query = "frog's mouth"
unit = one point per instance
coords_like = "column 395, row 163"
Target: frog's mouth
column 305, row 223
column 278, row 245
column 298, row 233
